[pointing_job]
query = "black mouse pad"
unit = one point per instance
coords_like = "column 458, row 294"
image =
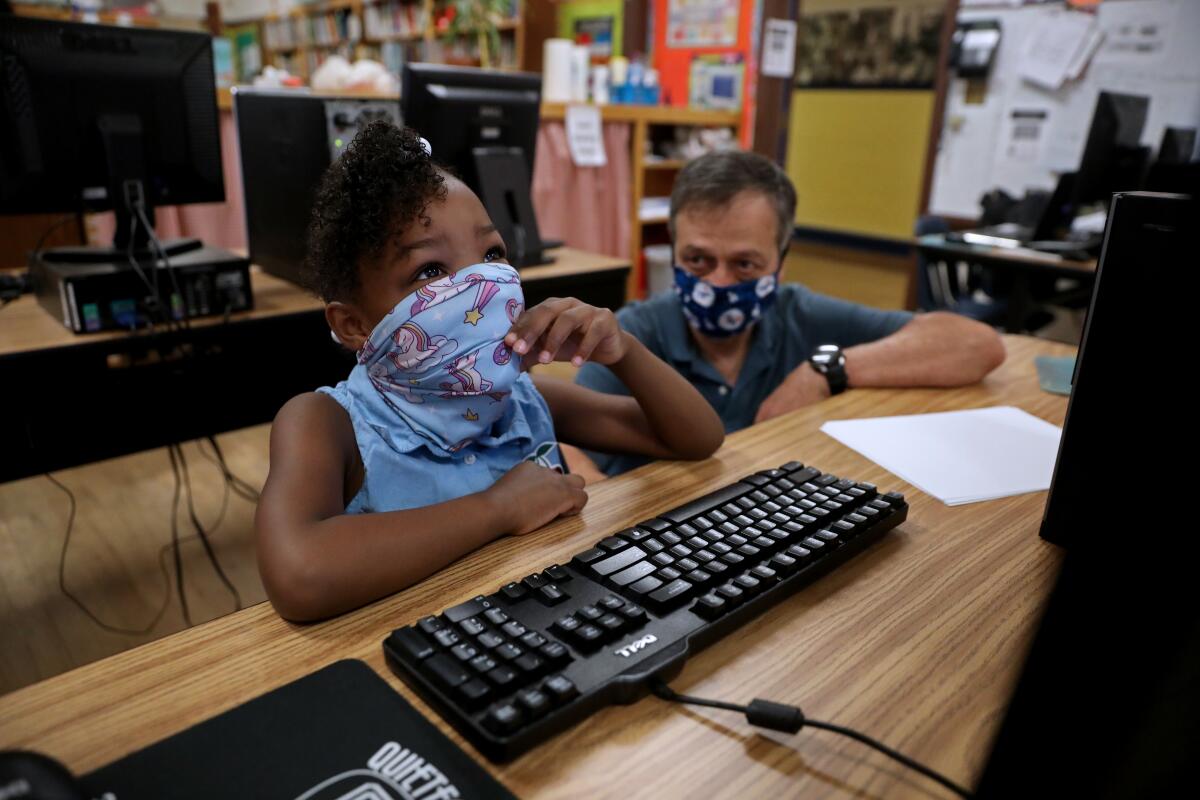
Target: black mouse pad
column 339, row 734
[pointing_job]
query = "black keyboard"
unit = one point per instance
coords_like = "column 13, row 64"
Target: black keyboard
column 511, row 669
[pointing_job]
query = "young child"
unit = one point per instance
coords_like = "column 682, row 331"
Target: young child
column 439, row 441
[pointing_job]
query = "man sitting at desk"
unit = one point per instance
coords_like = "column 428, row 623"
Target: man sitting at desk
column 757, row 348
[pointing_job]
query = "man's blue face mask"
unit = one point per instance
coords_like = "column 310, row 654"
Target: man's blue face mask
column 721, row 311
column 438, row 359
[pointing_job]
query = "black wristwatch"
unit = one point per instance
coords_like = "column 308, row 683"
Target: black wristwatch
column 830, row 361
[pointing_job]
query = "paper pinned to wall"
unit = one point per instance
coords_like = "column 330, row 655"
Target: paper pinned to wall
column 779, row 48
column 1053, row 50
column 585, row 136
column 1026, row 132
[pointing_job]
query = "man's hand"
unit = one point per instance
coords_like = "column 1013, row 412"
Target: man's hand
column 803, row 387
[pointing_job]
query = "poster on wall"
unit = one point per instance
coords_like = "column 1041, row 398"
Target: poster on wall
column 869, row 48
column 702, row 23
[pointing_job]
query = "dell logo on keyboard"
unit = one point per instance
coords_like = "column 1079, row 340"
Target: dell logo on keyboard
column 640, row 644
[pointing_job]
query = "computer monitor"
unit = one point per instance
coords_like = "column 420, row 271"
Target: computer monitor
column 1178, row 146
column 1113, row 158
column 93, row 112
column 460, row 111
column 1108, row 703
column 286, row 140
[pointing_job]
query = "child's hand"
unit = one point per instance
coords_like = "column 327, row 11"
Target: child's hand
column 567, row 330
column 531, row 496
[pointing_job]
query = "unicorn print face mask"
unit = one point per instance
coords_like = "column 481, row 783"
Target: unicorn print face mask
column 438, row 359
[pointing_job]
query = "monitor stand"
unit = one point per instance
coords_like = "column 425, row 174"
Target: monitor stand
column 504, row 180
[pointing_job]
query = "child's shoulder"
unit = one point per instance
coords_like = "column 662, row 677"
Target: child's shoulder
column 313, row 418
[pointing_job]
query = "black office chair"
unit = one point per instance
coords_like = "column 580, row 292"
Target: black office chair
column 959, row 287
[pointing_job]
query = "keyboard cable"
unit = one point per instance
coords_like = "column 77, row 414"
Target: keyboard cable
column 790, row 719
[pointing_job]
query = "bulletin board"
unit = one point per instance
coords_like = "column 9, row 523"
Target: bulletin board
column 1016, row 136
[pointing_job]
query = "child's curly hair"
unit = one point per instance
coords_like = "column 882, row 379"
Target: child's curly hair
column 382, row 183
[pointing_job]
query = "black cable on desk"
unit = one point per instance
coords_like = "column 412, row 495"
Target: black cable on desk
column 790, row 719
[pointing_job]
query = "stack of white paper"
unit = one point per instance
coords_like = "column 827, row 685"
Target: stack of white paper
column 959, row 456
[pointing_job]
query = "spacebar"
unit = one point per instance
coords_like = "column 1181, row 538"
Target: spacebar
column 706, row 503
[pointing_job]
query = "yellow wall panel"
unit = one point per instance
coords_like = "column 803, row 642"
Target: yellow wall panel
column 857, row 158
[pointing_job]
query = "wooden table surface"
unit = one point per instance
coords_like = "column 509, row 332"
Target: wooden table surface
column 25, row 325
column 917, row 642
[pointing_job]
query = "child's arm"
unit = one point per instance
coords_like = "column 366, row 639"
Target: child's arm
column 664, row 418
column 317, row 561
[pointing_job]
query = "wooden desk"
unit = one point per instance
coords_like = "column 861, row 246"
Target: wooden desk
column 918, row 641
column 1020, row 263
column 87, row 397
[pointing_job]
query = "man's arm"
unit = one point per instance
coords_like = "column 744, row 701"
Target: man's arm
column 939, row 349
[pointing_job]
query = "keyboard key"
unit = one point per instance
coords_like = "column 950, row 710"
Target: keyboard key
column 703, row 556
column 716, row 567
column 732, row 594
column 756, row 514
column 633, row 613
column 556, row 573
column 679, row 551
column 645, row 585
column 737, row 540
column 533, row 640
column 446, row 670
column 474, row 693
column 612, row 544
column 868, row 513
column 502, row 676
column 635, row 535
column 620, row 561
column 464, row 651
column 763, row 543
column 771, row 490
column 554, row 652
column 747, row 583
column 826, row 479
column 669, row 538
column 749, row 550
column 588, row 634
column 514, row 629
column 662, row 559
column 816, row 545
column 765, row 574
column 653, row 546
column 686, row 564
column 551, row 595
column 731, row 509
column 636, row 572
column 611, row 623
column 589, row 614
column 696, row 543
column 412, row 643
column 430, row 625
column 490, row 640
column 502, row 719
column 745, row 502
column 799, row 553
column 471, row 608
column 710, row 606
column 610, row 603
column 560, row 689
column 784, row 563
column 446, row 638
column 534, row 582
column 733, row 559
column 720, row 548
column 843, row 484
column 667, row 574
column 588, row 556
column 528, row 664
column 838, row 529
column 791, row 466
column 509, row 651
column 803, row 475
column 698, row 576
column 567, row 625
column 534, row 701
column 483, row 664
column 756, row 480
column 672, row 592
column 654, row 524
column 472, row 626
column 736, row 524
column 702, row 523
column 779, row 519
column 495, row 616
column 785, row 484
column 716, row 516
column 685, row 530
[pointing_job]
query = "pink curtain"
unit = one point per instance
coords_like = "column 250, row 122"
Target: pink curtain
column 217, row 224
column 587, row 207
